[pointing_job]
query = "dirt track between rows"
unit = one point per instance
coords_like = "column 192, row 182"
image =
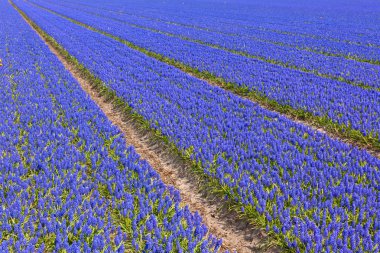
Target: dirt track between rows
column 237, row 234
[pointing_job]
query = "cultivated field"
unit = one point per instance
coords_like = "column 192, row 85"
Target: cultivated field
column 189, row 126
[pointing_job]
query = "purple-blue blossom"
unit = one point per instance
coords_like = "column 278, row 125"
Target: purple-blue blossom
column 314, row 191
column 56, row 164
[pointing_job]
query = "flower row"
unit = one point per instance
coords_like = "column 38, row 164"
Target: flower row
column 344, row 104
column 279, row 51
column 68, row 181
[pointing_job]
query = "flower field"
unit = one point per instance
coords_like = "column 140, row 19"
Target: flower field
column 71, row 182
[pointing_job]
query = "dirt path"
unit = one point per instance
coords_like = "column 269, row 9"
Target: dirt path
column 237, row 234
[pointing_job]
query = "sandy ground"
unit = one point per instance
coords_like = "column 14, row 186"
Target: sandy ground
column 237, row 234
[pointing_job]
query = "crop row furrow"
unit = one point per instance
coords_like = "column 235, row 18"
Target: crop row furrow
column 349, row 112
column 329, row 42
column 360, row 74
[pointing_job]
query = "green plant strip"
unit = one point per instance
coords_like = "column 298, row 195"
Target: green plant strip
column 344, row 132
column 237, row 52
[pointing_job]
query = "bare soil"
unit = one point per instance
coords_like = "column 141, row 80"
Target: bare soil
column 237, row 234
